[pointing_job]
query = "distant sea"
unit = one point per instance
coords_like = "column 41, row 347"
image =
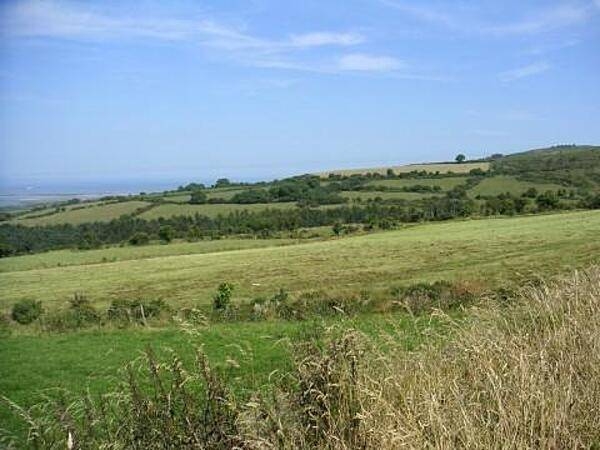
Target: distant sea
column 28, row 194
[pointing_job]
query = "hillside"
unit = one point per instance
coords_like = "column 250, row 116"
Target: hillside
column 561, row 178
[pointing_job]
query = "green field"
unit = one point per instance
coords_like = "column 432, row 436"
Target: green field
column 432, row 168
column 502, row 183
column 491, row 251
column 444, row 183
column 90, row 360
column 99, row 213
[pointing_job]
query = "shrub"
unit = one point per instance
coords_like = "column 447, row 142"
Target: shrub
column 26, row 311
column 135, row 310
column 80, row 314
column 222, row 298
column 140, row 238
column 423, row 297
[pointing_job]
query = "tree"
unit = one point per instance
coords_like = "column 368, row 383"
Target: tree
column 390, row 173
column 198, row 198
column 166, row 233
column 222, row 298
column 547, row 200
column 460, row 158
column 337, row 228
column 222, row 182
column 139, row 238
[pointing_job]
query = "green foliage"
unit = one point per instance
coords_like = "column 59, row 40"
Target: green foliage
column 547, row 201
column 337, row 228
column 198, row 197
column 26, row 311
column 423, row 297
column 222, row 182
column 460, row 158
column 166, row 233
column 222, row 298
column 136, row 310
column 140, row 238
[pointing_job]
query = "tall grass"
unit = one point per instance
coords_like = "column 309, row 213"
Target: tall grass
column 522, row 375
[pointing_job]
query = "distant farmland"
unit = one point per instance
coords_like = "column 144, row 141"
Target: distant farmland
column 441, row 168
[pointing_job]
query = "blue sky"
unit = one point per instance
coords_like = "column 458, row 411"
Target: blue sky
column 182, row 90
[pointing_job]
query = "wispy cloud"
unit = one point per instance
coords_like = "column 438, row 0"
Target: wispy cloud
column 323, row 38
column 524, row 71
column 480, row 21
column 360, row 62
column 64, row 20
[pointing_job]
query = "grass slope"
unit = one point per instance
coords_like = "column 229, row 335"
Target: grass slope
column 489, row 251
column 502, row 183
column 112, row 254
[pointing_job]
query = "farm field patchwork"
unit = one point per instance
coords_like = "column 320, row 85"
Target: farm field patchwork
column 99, row 213
column 490, row 251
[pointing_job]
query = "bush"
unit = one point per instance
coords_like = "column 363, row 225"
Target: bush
column 135, row 310
column 140, row 238
column 26, row 311
column 222, row 298
column 81, row 313
column 423, row 297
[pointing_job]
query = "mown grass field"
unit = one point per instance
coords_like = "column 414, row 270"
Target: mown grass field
column 74, row 215
column 501, row 184
column 73, row 257
column 441, row 168
column 488, row 251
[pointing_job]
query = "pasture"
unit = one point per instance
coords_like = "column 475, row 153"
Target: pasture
column 487, row 251
column 501, row 184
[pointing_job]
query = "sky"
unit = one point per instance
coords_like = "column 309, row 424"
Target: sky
column 188, row 90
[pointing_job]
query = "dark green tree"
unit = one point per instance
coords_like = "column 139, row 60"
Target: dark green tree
column 460, row 158
column 198, row 197
column 166, row 233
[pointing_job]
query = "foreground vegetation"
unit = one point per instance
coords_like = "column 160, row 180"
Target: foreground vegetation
column 522, row 374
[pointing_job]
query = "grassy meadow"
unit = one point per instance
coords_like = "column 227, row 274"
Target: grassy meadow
column 488, row 251
column 502, row 183
column 73, row 257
